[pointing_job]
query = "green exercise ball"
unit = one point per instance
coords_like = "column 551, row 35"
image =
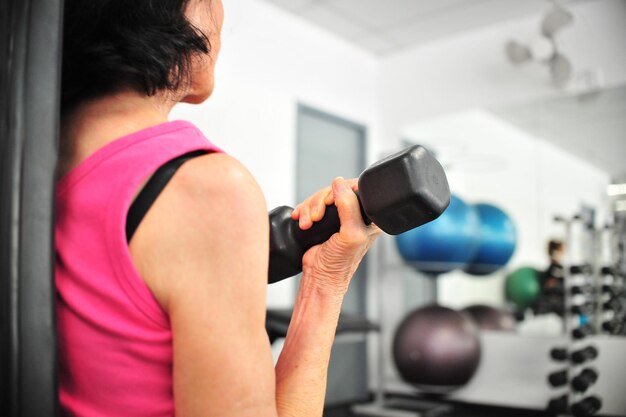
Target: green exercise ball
column 522, row 286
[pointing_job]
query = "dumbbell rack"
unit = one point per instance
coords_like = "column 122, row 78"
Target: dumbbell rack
column 581, row 293
column 611, row 297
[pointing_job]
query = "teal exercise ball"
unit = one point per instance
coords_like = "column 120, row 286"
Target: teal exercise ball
column 444, row 244
column 497, row 239
column 522, row 286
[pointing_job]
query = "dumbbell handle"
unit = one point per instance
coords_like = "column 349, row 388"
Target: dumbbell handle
column 298, row 240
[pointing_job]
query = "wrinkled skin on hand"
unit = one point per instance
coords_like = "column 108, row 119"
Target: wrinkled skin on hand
column 333, row 263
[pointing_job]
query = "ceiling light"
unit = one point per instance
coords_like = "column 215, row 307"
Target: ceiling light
column 616, row 189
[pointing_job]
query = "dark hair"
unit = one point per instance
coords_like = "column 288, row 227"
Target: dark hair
column 553, row 246
column 111, row 45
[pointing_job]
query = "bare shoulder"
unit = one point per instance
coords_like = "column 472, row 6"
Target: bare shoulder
column 211, row 209
column 218, row 175
column 202, row 249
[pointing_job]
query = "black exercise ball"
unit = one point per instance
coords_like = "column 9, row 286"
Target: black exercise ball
column 490, row 318
column 436, row 348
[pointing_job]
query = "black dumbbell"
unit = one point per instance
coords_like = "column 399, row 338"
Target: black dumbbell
column 613, row 303
column 612, row 291
column 582, row 332
column 558, row 378
column 584, row 379
column 558, row 405
column 612, row 325
column 586, row 407
column 399, row 193
column 582, row 289
column 581, row 308
column 580, row 269
column 584, row 355
column 607, row 270
column 559, row 354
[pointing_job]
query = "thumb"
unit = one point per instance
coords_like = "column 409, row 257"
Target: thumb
column 347, row 205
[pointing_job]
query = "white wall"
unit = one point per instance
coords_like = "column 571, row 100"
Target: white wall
column 270, row 61
column 471, row 70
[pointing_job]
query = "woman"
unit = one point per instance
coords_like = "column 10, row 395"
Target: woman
column 173, row 321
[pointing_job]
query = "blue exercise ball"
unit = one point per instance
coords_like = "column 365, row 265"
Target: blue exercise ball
column 444, row 244
column 497, row 239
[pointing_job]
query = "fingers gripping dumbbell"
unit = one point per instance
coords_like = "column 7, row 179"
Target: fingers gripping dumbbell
column 399, row 193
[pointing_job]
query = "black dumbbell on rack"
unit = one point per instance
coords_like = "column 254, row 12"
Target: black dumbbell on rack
column 582, row 332
column 584, row 380
column 559, row 354
column 613, row 304
column 607, row 270
column 582, row 290
column 613, row 326
column 558, row 378
column 583, row 355
column 612, row 290
column 586, row 308
column 558, row 405
column 584, row 269
column 586, row 407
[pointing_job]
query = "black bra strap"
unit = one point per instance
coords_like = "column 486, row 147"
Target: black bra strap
column 151, row 191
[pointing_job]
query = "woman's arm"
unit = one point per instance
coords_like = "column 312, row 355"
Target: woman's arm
column 203, row 251
column 327, row 270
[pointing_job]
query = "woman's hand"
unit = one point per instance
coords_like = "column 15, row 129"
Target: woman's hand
column 332, row 264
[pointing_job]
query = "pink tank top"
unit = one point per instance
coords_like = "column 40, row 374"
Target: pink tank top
column 115, row 341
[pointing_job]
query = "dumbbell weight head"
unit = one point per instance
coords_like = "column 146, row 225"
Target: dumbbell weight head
column 559, row 354
column 584, row 380
column 584, row 355
column 586, row 407
column 558, row 405
column 398, row 193
column 558, row 378
column 582, row 332
column 404, row 191
column 607, row 270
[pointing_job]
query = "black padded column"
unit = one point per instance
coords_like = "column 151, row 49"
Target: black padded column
column 30, row 54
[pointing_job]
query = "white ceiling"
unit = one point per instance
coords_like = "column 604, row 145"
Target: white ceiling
column 590, row 126
column 385, row 27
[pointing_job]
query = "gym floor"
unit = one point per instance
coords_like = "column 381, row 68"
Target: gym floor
column 459, row 410
column 449, row 409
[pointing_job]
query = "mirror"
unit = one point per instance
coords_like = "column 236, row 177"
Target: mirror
column 547, row 165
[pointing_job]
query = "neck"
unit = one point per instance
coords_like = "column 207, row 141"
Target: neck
column 98, row 122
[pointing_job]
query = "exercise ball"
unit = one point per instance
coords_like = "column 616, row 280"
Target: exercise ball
column 497, row 238
column 436, row 349
column 444, row 244
column 490, row 318
column 522, row 286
